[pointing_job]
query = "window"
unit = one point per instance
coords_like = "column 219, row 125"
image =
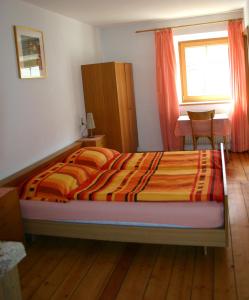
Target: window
column 204, row 66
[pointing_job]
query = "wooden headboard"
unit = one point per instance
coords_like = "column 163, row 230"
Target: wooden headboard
column 20, row 176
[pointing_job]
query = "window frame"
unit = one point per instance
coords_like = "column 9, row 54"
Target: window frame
column 182, row 62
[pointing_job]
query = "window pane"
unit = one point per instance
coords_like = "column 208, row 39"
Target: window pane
column 207, row 70
column 195, row 69
column 217, row 78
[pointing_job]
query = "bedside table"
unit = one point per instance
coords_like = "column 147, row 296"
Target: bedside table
column 96, row 141
column 11, row 227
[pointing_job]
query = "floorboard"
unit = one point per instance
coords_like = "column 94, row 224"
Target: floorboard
column 94, row 282
column 57, row 276
column 78, row 271
column 203, row 283
column 240, row 237
column 112, row 288
column 224, row 275
column 139, row 273
column 180, row 284
column 53, row 254
column 160, row 277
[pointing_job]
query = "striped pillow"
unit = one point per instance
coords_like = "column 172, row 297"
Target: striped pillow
column 56, row 182
column 95, row 157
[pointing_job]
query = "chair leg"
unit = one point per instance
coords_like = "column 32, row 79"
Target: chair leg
column 211, row 140
column 194, row 142
column 213, row 144
column 183, row 142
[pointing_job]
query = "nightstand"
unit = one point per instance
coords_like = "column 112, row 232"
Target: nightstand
column 96, row 141
column 11, row 227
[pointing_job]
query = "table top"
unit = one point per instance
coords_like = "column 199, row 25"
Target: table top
column 94, row 138
column 216, row 117
column 222, row 126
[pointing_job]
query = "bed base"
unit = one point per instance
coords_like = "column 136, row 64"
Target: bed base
column 217, row 237
column 136, row 234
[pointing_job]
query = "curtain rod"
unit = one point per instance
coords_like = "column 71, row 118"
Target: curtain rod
column 188, row 25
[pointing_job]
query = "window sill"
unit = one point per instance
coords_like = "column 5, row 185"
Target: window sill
column 205, row 103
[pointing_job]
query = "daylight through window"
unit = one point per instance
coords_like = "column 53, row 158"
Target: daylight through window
column 205, row 74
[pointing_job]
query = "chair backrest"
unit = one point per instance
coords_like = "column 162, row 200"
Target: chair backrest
column 201, row 116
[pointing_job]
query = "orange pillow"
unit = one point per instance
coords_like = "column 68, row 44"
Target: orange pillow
column 56, row 182
column 94, row 157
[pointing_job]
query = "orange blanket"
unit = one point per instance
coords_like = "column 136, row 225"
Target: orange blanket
column 165, row 160
column 153, row 185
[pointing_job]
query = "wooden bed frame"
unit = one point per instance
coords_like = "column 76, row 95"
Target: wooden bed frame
column 140, row 234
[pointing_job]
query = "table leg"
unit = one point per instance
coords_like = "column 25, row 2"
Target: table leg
column 10, row 285
column 226, row 146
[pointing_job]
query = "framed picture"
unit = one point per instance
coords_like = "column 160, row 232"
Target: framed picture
column 30, row 52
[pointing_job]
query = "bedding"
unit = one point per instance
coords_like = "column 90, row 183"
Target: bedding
column 165, row 160
column 95, row 157
column 54, row 183
column 193, row 184
column 176, row 176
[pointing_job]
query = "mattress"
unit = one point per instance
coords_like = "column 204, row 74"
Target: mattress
column 208, row 214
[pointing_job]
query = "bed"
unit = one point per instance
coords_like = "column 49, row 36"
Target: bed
column 153, row 222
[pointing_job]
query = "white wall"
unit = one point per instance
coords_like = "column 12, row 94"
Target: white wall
column 39, row 116
column 246, row 13
column 121, row 43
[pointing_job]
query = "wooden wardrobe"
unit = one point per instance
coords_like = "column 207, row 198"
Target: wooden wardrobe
column 109, row 95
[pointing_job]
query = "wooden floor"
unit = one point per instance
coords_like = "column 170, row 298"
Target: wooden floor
column 58, row 268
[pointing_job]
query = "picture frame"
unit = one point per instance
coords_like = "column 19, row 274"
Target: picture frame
column 30, row 52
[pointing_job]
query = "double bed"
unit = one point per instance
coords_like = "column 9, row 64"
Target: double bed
column 140, row 218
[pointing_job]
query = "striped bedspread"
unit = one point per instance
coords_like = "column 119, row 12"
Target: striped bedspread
column 165, row 160
column 189, row 184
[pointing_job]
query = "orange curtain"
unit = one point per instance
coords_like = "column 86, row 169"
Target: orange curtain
column 166, row 89
column 239, row 114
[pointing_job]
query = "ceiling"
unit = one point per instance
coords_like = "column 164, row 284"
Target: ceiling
column 106, row 12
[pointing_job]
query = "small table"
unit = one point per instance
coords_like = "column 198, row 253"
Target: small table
column 96, row 141
column 222, row 127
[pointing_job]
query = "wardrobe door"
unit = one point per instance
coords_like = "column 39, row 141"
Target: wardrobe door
column 100, row 93
column 123, row 107
column 131, row 108
column 94, row 94
column 112, row 117
column 109, row 95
